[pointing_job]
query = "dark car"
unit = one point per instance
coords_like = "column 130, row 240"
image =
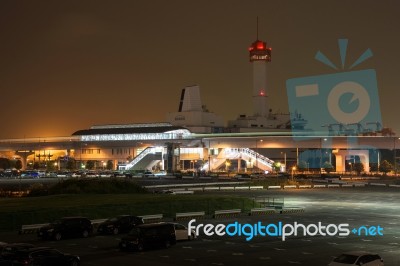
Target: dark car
column 7, row 251
column 119, row 224
column 149, row 236
column 42, row 256
column 67, row 227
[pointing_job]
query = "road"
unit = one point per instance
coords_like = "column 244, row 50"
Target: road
column 355, row 206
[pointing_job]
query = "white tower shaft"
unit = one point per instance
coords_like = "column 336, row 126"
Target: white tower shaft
column 260, row 88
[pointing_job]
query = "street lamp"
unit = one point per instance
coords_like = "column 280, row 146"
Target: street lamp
column 284, row 159
column 351, row 168
column 227, row 165
column 257, row 153
column 293, row 169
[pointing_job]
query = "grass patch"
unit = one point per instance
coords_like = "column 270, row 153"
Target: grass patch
column 87, row 186
column 15, row 212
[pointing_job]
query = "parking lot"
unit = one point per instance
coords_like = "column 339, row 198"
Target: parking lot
column 357, row 207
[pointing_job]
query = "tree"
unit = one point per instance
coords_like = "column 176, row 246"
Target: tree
column 302, row 166
column 328, row 167
column 50, row 166
column 358, row 167
column 90, row 164
column 110, row 165
column 385, row 167
column 276, row 166
column 70, row 164
column 373, row 167
column 36, row 165
column 18, row 165
column 5, row 163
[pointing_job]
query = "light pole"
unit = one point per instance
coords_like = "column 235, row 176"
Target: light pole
column 293, row 169
column 284, row 159
column 209, row 156
column 351, row 168
column 257, row 153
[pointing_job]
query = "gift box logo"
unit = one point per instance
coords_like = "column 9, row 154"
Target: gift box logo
column 344, row 103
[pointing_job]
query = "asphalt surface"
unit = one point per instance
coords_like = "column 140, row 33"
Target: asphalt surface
column 355, row 206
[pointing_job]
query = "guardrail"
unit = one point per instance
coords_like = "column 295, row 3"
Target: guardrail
column 333, row 186
column 256, row 187
column 274, row 187
column 227, row 213
column 33, row 228
column 30, row 228
column 292, row 210
column 151, row 218
column 262, row 211
column 224, row 186
column 378, row 184
column 189, row 215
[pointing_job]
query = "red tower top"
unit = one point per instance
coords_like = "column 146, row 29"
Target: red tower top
column 259, row 51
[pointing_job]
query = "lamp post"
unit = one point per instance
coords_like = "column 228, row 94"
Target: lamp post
column 293, row 169
column 351, row 168
column 257, row 153
column 209, row 156
column 284, row 159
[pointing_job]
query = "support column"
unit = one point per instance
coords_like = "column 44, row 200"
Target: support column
column 341, row 159
column 24, row 156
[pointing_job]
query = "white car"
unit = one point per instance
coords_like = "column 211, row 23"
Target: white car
column 181, row 232
column 357, row 258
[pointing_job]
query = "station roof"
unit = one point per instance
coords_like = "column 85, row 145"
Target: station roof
column 126, row 130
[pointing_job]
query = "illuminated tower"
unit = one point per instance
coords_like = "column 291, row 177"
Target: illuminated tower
column 260, row 55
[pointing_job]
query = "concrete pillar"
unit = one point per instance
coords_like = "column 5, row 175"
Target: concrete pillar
column 24, row 156
column 341, row 158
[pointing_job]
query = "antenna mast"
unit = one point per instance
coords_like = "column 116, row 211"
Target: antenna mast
column 257, row 28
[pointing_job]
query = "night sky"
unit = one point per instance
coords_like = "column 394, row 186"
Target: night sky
column 66, row 65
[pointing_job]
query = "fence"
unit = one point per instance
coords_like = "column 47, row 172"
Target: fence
column 12, row 221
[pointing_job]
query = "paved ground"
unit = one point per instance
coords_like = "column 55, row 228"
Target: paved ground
column 355, row 206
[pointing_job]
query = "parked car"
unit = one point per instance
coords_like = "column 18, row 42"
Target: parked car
column 357, row 258
column 8, row 247
column 242, row 176
column 148, row 236
column 66, row 227
column 30, row 174
column 42, row 256
column 119, row 224
column 181, row 232
column 7, row 251
column 148, row 174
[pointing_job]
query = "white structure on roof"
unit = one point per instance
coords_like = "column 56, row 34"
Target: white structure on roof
column 193, row 115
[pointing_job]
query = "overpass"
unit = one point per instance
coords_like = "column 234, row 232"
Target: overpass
column 123, row 151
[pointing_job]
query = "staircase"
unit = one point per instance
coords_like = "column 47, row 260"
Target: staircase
column 247, row 154
column 146, row 159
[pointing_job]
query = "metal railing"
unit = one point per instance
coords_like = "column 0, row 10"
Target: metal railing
column 137, row 159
